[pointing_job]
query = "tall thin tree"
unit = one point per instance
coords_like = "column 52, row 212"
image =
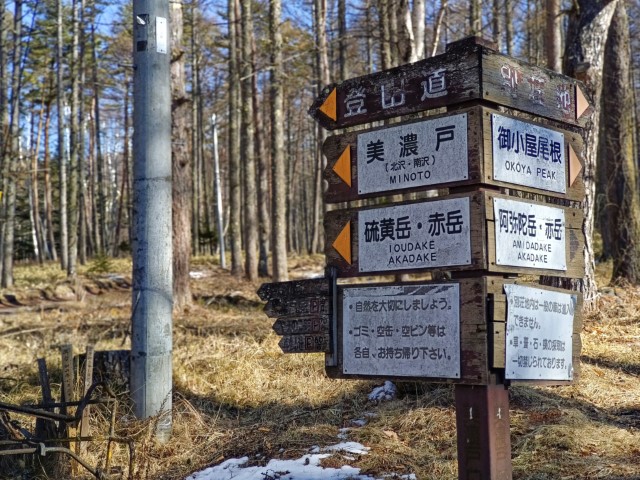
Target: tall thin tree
column 247, row 146
column 279, row 189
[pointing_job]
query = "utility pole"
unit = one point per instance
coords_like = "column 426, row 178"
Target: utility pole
column 217, row 188
column 152, row 303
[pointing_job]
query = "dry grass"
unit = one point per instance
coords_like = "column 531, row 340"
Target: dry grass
column 236, row 394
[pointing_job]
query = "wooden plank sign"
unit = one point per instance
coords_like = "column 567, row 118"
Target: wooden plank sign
column 474, row 231
column 535, row 331
column 406, row 237
column 302, row 309
column 469, row 70
column 413, row 331
column 469, row 147
column 460, row 331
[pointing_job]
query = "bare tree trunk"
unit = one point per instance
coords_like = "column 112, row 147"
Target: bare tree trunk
column 180, row 165
column 278, row 164
column 369, row 34
column 100, row 212
column 72, row 255
column 406, row 41
column 620, row 222
column 264, row 219
column 584, row 58
column 419, row 34
column 385, row 34
column 196, row 177
column 322, row 66
column 35, row 190
column 342, row 40
column 247, row 146
column 497, row 23
column 509, row 26
column 438, row 26
column 64, row 238
column 48, row 195
column 475, row 17
column 235, row 232
column 553, row 35
column 125, row 197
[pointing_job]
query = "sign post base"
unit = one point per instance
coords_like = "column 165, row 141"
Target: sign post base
column 482, row 424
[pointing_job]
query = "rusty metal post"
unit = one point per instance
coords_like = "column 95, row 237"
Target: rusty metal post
column 482, row 423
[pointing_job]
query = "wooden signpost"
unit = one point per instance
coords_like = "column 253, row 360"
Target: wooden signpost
column 513, row 175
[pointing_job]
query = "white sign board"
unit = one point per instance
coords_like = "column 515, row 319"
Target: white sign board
column 413, row 236
column 407, row 331
column 528, row 154
column 412, row 155
column 529, row 235
column 539, row 334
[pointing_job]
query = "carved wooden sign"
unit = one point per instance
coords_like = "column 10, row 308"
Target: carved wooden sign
column 468, row 71
column 302, row 309
column 474, row 231
column 468, row 147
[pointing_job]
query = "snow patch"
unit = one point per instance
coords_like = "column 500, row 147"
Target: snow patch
column 385, row 393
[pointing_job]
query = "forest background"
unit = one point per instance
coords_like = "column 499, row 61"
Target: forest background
column 66, row 101
column 66, row 120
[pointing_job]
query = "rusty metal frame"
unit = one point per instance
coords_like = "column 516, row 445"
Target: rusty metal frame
column 24, row 442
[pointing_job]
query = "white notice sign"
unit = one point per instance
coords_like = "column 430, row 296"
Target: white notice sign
column 529, row 235
column 413, row 236
column 527, row 154
column 418, row 154
column 408, row 331
column 539, row 334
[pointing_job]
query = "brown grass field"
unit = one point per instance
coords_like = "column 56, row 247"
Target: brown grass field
column 236, row 394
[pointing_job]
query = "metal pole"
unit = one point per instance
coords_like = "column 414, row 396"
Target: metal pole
column 216, row 180
column 152, row 303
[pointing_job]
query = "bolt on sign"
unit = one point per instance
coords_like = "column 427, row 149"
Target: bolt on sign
column 469, row 147
column 468, row 71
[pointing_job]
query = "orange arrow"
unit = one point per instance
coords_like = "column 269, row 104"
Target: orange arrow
column 329, row 107
column 343, row 166
column 342, row 244
column 575, row 166
column 582, row 104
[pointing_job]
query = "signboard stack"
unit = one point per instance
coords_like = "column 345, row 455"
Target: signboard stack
column 507, row 151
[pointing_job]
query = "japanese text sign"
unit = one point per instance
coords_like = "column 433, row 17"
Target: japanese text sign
column 539, row 334
column 411, row 331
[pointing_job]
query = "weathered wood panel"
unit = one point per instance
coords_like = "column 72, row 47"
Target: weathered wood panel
column 303, row 311
column 295, row 289
column 573, row 240
column 339, row 148
column 473, row 336
column 497, row 326
column 305, row 343
column 296, row 306
column 336, row 221
column 302, row 325
column 482, row 238
column 467, row 71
